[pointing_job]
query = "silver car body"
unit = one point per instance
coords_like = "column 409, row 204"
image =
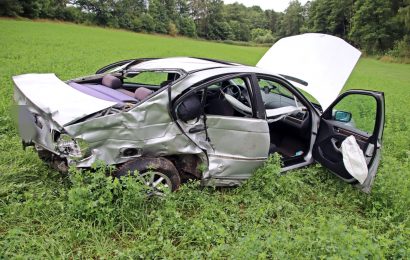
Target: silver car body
column 233, row 149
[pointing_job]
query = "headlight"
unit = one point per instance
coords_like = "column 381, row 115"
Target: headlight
column 75, row 149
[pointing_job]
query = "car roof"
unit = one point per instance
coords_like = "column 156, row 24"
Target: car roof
column 186, row 64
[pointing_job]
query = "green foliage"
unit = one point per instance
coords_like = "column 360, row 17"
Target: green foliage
column 375, row 26
column 102, row 200
column 371, row 25
column 329, row 16
column 10, row 8
column 401, row 50
column 292, row 20
column 186, row 26
column 172, row 29
column 305, row 213
column 146, row 23
column 262, row 36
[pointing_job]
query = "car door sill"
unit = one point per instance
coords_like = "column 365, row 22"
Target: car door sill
column 295, row 166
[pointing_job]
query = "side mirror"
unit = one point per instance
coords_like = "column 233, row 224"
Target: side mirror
column 343, row 116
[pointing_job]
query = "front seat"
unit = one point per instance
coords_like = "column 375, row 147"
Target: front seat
column 190, row 108
column 219, row 107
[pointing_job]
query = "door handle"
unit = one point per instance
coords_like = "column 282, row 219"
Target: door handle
column 197, row 129
column 336, row 145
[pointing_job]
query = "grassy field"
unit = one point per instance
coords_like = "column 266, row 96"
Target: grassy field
column 306, row 213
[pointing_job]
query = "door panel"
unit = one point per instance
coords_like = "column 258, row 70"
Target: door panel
column 328, row 145
column 366, row 110
column 238, row 137
column 239, row 145
column 235, row 143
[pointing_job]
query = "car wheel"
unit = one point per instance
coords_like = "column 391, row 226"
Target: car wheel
column 158, row 174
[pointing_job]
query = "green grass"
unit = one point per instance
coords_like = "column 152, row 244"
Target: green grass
column 306, row 213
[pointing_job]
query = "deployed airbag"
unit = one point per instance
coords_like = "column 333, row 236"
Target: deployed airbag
column 353, row 159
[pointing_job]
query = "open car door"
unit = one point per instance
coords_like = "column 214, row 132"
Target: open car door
column 357, row 113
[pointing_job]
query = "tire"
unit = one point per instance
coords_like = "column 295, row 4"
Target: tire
column 155, row 172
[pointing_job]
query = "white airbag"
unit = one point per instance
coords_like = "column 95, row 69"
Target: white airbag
column 282, row 111
column 237, row 104
column 354, row 160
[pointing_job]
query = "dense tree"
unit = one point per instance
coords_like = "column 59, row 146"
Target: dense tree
column 376, row 26
column 292, row 20
column 372, row 25
column 272, row 20
column 10, row 8
column 103, row 10
column 125, row 11
column 329, row 16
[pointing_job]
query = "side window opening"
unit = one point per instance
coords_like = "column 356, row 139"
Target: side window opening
column 229, row 98
column 274, row 95
column 155, row 79
column 356, row 111
column 290, row 130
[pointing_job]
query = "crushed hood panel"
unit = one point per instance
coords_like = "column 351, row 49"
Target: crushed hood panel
column 57, row 99
column 325, row 62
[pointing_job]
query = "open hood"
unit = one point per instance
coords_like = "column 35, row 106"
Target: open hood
column 319, row 64
column 55, row 98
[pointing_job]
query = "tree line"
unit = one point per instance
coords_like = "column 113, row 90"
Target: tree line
column 375, row 26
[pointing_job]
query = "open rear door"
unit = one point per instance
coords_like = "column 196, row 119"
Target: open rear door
column 357, row 113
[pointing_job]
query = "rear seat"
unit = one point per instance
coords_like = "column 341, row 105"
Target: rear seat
column 103, row 92
column 111, row 90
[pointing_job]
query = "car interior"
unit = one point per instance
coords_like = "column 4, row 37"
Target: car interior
column 290, row 135
column 289, row 121
column 131, row 88
column 226, row 98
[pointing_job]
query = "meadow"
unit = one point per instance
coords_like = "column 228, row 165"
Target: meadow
column 307, row 213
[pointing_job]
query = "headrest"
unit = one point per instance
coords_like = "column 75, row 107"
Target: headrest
column 111, row 82
column 141, row 93
column 189, row 109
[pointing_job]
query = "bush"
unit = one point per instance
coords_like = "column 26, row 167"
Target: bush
column 103, row 200
column 259, row 35
column 145, row 23
column 72, row 14
column 186, row 26
column 172, row 29
column 401, row 50
column 268, row 38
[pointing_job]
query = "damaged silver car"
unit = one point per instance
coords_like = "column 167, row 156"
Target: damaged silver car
column 175, row 119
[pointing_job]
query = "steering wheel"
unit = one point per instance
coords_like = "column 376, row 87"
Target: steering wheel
column 233, row 90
